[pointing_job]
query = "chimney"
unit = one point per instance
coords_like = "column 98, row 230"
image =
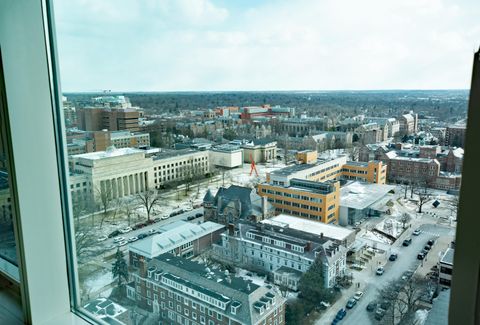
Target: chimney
column 142, row 267
column 231, row 229
column 321, row 235
column 308, row 248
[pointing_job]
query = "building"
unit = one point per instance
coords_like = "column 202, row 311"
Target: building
column 445, row 266
column 307, row 199
column 112, row 119
column 116, row 172
column 455, row 135
column 235, row 203
column 331, row 139
column 307, row 156
column 180, row 238
column 123, row 172
column 408, row 123
column 373, row 171
column 260, row 150
column 392, row 124
column 178, row 291
column 340, row 235
column 372, row 133
column 284, row 253
column 301, row 127
column 226, row 156
column 265, row 111
column 361, row 200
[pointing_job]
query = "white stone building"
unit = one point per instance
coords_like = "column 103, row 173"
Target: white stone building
column 226, row 156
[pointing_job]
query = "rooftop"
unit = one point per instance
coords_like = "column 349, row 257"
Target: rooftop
column 358, row 195
column 447, row 257
column 109, row 153
column 174, row 153
column 172, row 235
column 309, row 226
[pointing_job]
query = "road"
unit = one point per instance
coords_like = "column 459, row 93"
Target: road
column 134, row 233
column 407, row 260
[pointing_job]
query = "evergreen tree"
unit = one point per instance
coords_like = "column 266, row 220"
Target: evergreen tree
column 120, row 267
column 312, row 286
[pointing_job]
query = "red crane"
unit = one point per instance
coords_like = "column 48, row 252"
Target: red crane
column 252, row 166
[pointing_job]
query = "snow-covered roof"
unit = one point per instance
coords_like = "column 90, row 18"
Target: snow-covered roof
column 172, row 236
column 360, row 195
column 108, row 153
column 310, row 226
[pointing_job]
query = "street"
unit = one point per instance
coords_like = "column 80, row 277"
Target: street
column 407, row 260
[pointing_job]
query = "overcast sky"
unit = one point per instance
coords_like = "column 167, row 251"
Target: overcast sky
column 195, row 45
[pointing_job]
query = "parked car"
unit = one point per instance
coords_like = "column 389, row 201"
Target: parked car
column 385, row 305
column 125, row 230
column 431, row 242
column 132, row 239
column 165, row 217
column 358, row 295
column 324, row 304
column 118, row 239
column 371, row 306
column 122, row 243
column 407, row 242
column 393, row 257
column 198, row 215
column 351, row 303
column 102, row 238
column 157, row 219
column 380, row 270
column 190, row 218
column 152, row 231
column 416, row 232
column 341, row 314
column 187, row 208
column 379, row 313
column 142, row 235
column 427, row 247
column 114, row 233
column 421, row 256
column 407, row 275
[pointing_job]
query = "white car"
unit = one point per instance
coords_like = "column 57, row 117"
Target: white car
column 416, row 232
column 102, row 238
column 132, row 239
column 358, row 295
column 125, row 230
column 380, row 270
column 122, row 243
column 118, row 239
column 152, row 231
column 164, row 217
column 187, row 208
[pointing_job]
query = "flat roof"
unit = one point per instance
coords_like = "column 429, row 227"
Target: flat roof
column 359, row 195
column 175, row 153
column 447, row 258
column 309, row 226
column 108, row 153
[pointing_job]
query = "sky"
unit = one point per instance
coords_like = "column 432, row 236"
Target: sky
column 244, row 45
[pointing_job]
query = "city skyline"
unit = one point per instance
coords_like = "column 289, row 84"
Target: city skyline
column 206, row 45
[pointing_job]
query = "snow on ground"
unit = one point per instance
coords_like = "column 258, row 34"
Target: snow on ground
column 95, row 283
column 390, row 226
column 376, row 237
column 256, row 279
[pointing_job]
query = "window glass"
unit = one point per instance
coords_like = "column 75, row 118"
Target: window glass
column 151, row 89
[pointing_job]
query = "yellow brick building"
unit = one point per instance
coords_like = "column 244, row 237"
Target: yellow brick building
column 318, row 201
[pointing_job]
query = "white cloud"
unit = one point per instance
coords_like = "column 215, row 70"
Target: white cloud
column 198, row 45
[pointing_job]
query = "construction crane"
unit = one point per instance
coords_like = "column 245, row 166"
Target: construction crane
column 253, row 167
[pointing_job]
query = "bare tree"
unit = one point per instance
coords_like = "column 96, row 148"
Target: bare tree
column 106, row 202
column 128, row 208
column 400, row 297
column 149, row 200
column 353, row 152
column 404, row 219
column 424, row 195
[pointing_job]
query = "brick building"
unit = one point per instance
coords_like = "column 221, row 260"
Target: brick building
column 178, row 291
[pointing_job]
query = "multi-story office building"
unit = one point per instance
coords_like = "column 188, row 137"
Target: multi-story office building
column 112, row 119
column 308, row 199
column 455, row 135
column 180, row 238
column 179, row 291
column 283, row 252
column 373, row 171
column 445, row 268
column 392, row 124
column 372, row 133
column 177, row 165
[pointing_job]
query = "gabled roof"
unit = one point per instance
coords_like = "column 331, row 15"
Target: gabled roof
column 208, row 197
